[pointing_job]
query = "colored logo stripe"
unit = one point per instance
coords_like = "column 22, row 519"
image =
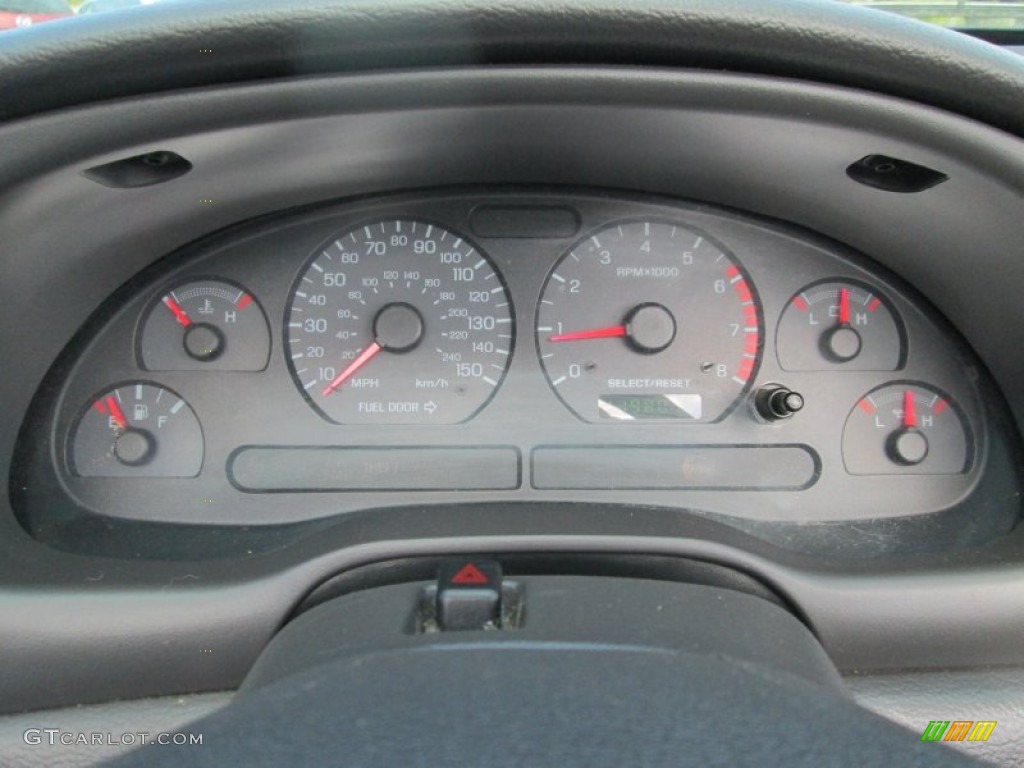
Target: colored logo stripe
column 958, row 730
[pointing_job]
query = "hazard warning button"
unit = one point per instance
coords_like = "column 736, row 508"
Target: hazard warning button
column 469, row 595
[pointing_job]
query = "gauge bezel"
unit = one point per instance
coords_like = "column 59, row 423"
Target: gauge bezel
column 76, row 423
column 971, row 450
column 154, row 303
column 901, row 327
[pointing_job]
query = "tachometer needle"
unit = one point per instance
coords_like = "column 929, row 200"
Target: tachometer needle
column 177, row 311
column 594, row 333
column 364, row 357
column 844, row 306
column 909, row 415
column 116, row 412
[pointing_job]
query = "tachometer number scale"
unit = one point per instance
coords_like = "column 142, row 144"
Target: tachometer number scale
column 648, row 320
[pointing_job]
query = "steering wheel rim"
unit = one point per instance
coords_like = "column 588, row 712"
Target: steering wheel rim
column 194, row 43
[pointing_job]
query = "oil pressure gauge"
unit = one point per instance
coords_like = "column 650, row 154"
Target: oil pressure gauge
column 839, row 325
column 906, row 428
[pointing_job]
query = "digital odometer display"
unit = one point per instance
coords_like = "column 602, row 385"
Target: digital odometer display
column 648, row 320
column 399, row 322
column 632, row 407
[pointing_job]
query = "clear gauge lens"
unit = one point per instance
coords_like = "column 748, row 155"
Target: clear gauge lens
column 648, row 320
column 137, row 429
column 839, row 325
column 906, row 428
column 205, row 325
column 399, row 322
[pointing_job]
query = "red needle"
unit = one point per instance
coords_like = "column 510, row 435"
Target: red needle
column 909, row 416
column 364, row 357
column 116, row 412
column 594, row 333
column 177, row 311
column 844, row 306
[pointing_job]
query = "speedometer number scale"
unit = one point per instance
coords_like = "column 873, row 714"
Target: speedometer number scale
column 399, row 322
column 648, row 320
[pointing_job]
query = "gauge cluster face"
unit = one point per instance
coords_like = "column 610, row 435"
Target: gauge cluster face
column 515, row 347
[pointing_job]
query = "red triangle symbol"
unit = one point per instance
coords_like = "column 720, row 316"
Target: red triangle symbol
column 469, row 574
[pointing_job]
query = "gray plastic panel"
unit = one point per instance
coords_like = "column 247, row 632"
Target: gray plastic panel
column 383, row 468
column 738, row 467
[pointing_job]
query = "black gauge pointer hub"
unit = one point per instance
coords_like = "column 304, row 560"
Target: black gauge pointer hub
column 204, row 342
column 398, row 327
column 134, row 447
column 907, row 447
column 841, row 344
column 650, row 328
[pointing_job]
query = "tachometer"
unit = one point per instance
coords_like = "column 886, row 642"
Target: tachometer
column 648, row 320
column 399, row 322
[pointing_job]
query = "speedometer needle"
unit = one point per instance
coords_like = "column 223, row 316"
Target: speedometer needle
column 594, row 333
column 364, row 357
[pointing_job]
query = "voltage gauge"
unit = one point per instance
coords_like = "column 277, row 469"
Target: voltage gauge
column 399, row 322
column 649, row 320
column 137, row 429
column 906, row 428
column 839, row 325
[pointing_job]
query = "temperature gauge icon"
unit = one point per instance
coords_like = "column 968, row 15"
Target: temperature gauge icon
column 137, row 429
column 205, row 325
column 838, row 325
column 906, row 428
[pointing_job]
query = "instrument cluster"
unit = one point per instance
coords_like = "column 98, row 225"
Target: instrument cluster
column 514, row 346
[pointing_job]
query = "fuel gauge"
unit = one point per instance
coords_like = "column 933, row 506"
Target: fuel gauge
column 838, row 325
column 137, row 429
column 205, row 325
column 906, row 428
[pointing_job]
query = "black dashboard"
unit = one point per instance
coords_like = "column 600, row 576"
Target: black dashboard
column 348, row 297
column 497, row 345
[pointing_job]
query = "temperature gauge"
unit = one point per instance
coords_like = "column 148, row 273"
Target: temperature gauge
column 839, row 325
column 906, row 428
column 137, row 430
column 205, row 325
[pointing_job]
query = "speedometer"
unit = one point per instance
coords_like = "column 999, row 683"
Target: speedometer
column 648, row 320
column 399, row 322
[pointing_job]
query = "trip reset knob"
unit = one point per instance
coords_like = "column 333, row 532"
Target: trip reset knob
column 774, row 402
